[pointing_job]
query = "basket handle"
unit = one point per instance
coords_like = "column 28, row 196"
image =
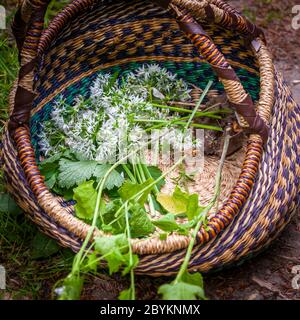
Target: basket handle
column 28, row 27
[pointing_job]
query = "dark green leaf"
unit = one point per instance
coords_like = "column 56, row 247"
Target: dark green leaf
column 140, row 224
column 43, row 246
column 115, row 179
column 72, row 173
column 8, row 205
column 156, row 173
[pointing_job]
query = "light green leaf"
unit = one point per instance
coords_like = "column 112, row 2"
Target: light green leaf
column 192, row 209
column 180, row 202
column 85, row 196
column 72, row 173
column 168, row 224
column 129, row 266
column 72, row 287
column 113, row 249
column 125, row 294
column 181, row 291
column 92, row 262
column 171, row 204
column 130, row 189
column 193, row 278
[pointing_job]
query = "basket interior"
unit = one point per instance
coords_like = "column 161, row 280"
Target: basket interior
column 121, row 36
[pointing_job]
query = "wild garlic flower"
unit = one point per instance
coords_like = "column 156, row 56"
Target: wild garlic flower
column 94, row 128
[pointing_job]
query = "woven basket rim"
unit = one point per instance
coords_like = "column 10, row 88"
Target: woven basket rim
column 174, row 242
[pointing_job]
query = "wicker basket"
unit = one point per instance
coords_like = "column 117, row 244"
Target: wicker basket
column 91, row 36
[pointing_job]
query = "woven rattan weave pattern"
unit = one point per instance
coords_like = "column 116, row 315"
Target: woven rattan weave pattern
column 91, row 36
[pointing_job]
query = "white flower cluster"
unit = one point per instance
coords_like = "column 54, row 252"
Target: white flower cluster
column 93, row 129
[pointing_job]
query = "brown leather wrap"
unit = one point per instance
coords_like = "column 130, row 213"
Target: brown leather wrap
column 226, row 73
column 22, row 108
column 210, row 15
column 19, row 28
column 256, row 123
column 192, row 28
column 163, row 3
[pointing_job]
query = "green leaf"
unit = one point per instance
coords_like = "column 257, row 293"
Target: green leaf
column 72, row 173
column 85, row 196
column 171, row 204
column 140, row 223
column 108, row 216
column 8, row 205
column 125, row 294
column 156, row 173
column 193, row 278
column 129, row 266
column 43, row 246
column 72, row 287
column 181, row 291
column 130, row 189
column 168, row 224
column 51, row 181
column 115, row 179
column 180, row 202
column 113, row 249
column 92, row 262
column 192, row 209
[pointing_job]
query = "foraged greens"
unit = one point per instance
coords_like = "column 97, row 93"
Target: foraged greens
column 115, row 191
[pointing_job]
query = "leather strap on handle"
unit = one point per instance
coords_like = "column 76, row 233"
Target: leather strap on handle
column 27, row 27
column 239, row 99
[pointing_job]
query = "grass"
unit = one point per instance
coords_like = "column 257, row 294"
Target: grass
column 29, row 275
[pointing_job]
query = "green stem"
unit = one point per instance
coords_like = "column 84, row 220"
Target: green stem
column 183, row 110
column 132, row 286
column 129, row 173
column 184, row 266
column 203, row 95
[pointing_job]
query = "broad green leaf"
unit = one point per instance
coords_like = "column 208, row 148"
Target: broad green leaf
column 115, row 179
column 140, row 224
column 113, row 250
column 92, row 262
column 156, row 173
column 168, row 223
column 85, row 196
column 8, row 204
column 43, row 246
column 193, row 278
column 130, row 189
column 171, row 204
column 181, row 291
column 129, row 266
column 108, row 216
column 72, row 173
column 180, row 202
column 192, row 209
column 72, row 287
column 125, row 294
